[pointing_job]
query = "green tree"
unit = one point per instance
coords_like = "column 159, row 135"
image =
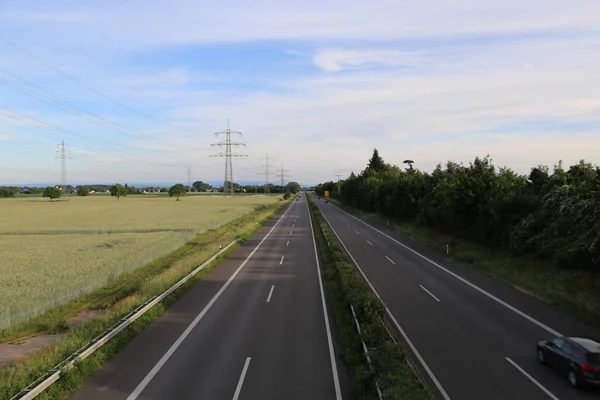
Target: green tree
column 293, row 187
column 4, row 192
column 376, row 163
column 83, row 191
column 552, row 215
column 52, row 193
column 117, row 190
column 177, row 190
column 201, row 186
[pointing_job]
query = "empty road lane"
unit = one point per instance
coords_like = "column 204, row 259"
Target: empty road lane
column 256, row 327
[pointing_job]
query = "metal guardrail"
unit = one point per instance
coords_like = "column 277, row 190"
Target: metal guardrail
column 366, row 351
column 45, row 381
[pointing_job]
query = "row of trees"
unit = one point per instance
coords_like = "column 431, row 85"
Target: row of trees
column 292, row 187
column 551, row 214
column 8, row 191
column 117, row 190
column 197, row 186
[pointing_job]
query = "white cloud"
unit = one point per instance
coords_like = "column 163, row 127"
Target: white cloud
column 332, row 60
column 478, row 68
column 190, row 21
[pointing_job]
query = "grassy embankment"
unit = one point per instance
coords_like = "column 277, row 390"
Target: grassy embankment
column 345, row 287
column 572, row 291
column 118, row 298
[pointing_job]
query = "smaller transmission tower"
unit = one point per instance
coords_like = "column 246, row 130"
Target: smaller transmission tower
column 189, row 175
column 282, row 175
column 228, row 154
column 63, row 154
column 267, row 173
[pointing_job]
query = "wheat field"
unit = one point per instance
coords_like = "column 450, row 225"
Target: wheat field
column 51, row 252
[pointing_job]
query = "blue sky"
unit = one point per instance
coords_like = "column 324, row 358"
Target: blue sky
column 314, row 84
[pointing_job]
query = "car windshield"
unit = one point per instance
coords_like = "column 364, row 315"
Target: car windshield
column 594, row 358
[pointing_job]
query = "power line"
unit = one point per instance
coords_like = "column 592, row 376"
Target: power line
column 53, row 129
column 63, row 105
column 228, row 144
column 64, row 74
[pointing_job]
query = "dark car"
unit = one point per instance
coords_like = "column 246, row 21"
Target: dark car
column 326, row 201
column 577, row 358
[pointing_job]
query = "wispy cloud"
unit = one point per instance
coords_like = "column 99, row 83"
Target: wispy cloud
column 332, row 60
column 317, row 85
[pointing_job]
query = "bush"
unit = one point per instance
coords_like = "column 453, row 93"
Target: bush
column 4, row 192
column 52, row 192
column 83, row 191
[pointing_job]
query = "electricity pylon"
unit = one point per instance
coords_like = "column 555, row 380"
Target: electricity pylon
column 228, row 154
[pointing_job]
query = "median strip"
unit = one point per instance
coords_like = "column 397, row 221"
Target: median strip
column 378, row 364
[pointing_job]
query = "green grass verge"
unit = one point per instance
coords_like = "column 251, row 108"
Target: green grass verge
column 345, row 287
column 572, row 291
column 123, row 296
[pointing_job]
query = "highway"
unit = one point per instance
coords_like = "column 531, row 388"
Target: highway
column 256, row 327
column 474, row 337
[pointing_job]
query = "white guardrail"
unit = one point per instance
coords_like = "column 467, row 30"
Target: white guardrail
column 55, row 373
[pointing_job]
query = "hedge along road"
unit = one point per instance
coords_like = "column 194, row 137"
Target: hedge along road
column 254, row 328
column 475, row 346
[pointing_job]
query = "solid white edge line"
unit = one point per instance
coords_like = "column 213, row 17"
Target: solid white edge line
column 390, row 260
column 238, row 389
column 389, row 313
column 431, row 294
column 532, row 379
column 463, row 280
column 281, row 261
column 370, row 243
column 136, row 392
column 270, row 294
column 336, row 379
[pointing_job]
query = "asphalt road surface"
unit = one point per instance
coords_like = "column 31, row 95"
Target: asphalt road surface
column 475, row 337
column 256, row 327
